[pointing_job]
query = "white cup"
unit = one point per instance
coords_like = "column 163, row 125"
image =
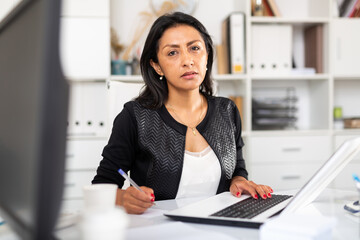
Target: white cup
column 99, row 197
column 104, row 225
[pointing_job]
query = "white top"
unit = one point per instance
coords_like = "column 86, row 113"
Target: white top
column 200, row 175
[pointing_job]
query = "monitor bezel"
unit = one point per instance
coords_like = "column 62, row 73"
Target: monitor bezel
column 13, row 13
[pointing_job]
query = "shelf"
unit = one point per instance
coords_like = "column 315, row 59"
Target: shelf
column 85, row 80
column 229, row 77
column 85, row 136
column 348, row 131
column 293, row 21
column 339, row 78
column 127, row 78
column 292, row 77
column 285, row 133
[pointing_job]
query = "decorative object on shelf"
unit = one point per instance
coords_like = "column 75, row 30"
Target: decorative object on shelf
column 185, row 6
column 352, row 122
column 118, row 66
column 272, row 113
column 115, row 44
column 146, row 19
column 266, row 8
column 338, row 118
column 257, row 7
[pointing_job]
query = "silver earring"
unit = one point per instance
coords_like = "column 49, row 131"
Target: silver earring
column 206, row 69
column 161, row 78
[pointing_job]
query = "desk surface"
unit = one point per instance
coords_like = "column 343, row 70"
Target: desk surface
column 329, row 203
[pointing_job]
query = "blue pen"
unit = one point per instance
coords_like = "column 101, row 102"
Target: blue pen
column 124, row 175
column 357, row 180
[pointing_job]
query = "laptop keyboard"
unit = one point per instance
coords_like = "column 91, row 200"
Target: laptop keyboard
column 250, row 207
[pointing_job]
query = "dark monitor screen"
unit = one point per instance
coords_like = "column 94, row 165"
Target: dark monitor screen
column 33, row 114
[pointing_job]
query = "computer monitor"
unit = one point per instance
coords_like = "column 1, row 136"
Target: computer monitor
column 33, row 116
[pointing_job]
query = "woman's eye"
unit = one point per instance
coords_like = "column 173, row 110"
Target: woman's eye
column 195, row 48
column 172, row 53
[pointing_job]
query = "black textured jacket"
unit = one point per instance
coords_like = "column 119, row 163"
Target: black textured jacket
column 151, row 144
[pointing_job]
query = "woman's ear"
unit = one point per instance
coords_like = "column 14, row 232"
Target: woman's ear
column 156, row 67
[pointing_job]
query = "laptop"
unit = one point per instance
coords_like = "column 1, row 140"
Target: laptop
column 225, row 209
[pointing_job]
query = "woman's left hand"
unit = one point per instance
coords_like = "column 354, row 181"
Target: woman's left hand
column 240, row 185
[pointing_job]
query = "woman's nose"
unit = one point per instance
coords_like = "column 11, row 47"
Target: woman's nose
column 187, row 59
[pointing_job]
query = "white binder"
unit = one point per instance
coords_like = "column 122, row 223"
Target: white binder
column 271, row 49
column 236, row 42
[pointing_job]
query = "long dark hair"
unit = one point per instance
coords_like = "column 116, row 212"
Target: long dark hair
column 155, row 91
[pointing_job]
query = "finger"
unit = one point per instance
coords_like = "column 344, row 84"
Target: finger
column 140, row 195
column 235, row 191
column 251, row 190
column 134, row 209
column 260, row 190
column 134, row 205
column 149, row 192
column 131, row 200
column 246, row 186
column 267, row 190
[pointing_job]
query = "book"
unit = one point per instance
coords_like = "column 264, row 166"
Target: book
column 274, row 7
column 346, row 7
column 355, row 10
column 267, row 11
column 222, row 51
column 238, row 100
column 314, row 48
column 234, row 40
column 222, row 59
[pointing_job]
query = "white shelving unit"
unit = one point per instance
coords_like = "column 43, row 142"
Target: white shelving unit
column 281, row 158
column 318, row 93
column 85, row 54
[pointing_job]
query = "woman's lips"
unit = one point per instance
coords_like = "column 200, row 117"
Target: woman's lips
column 189, row 75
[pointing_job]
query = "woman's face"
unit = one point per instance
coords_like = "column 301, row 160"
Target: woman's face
column 182, row 58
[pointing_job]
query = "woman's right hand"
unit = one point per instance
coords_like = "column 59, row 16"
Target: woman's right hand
column 135, row 201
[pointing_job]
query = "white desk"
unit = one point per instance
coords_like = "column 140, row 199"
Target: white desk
column 329, row 203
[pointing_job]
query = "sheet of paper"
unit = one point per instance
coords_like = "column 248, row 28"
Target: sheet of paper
column 174, row 231
column 153, row 212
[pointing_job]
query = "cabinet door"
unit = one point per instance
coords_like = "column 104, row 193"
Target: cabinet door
column 283, row 176
column 346, row 46
column 85, row 8
column 88, row 109
column 84, row 153
column 85, row 48
column 289, row 149
column 74, row 182
column 119, row 93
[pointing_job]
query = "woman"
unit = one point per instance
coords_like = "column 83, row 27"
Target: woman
column 176, row 139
